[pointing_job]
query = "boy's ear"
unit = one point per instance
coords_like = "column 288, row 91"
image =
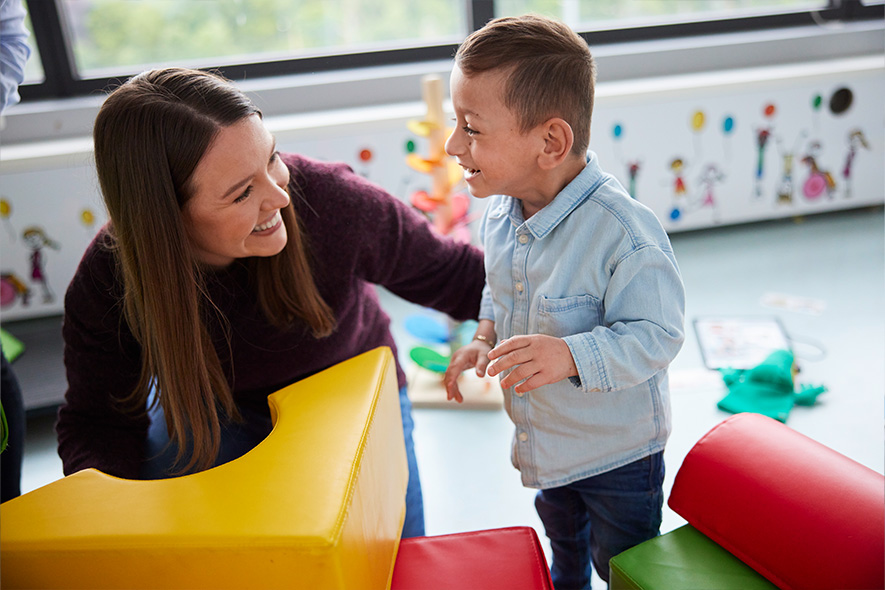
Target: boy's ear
column 558, row 142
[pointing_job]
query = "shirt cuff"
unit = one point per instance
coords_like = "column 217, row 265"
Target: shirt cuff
column 591, row 370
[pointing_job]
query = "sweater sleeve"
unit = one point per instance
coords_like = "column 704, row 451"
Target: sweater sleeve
column 102, row 361
column 395, row 246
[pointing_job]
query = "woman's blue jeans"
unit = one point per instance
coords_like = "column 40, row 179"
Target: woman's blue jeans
column 239, row 438
column 594, row 519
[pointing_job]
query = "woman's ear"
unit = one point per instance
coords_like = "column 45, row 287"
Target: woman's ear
column 558, row 142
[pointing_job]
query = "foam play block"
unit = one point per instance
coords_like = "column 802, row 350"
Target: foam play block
column 799, row 513
column 318, row 504
column 682, row 559
column 497, row 559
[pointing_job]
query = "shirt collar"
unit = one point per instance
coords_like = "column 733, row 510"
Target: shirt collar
column 544, row 221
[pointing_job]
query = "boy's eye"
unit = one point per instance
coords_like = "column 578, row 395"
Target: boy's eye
column 244, row 196
column 469, row 131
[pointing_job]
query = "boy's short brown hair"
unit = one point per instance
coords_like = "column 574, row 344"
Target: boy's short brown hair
column 552, row 73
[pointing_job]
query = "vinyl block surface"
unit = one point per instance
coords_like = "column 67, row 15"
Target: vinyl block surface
column 318, row 504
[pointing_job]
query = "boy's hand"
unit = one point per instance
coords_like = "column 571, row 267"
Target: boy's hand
column 539, row 360
column 475, row 355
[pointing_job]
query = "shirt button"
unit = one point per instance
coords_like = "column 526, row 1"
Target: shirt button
column 523, row 238
column 523, row 436
column 519, row 287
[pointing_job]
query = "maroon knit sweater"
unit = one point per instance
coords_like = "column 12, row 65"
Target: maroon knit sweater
column 358, row 236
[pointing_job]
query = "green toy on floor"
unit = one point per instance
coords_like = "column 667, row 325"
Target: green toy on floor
column 768, row 388
column 12, row 348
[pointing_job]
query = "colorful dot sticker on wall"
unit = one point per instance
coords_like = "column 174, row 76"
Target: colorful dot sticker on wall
column 727, row 130
column 697, row 120
column 5, row 214
column 87, row 217
column 365, row 155
column 728, row 124
column 841, row 101
column 617, row 134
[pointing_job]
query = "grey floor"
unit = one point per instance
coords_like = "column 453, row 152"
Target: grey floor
column 835, row 260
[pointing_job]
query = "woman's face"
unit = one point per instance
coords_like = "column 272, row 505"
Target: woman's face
column 239, row 187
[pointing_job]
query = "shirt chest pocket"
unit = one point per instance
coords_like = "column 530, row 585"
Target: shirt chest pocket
column 564, row 316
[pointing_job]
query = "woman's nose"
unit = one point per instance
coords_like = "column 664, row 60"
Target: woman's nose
column 278, row 182
column 276, row 196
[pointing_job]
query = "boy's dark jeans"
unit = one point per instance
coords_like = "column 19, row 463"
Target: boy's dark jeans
column 594, row 519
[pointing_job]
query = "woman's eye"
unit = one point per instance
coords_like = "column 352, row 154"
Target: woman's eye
column 244, row 196
column 469, row 131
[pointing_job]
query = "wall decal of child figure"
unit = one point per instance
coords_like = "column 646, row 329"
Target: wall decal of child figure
column 856, row 140
column 36, row 239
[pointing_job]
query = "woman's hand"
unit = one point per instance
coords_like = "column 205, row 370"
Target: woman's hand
column 538, row 360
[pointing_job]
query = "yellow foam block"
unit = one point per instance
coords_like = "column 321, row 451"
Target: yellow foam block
column 318, row 504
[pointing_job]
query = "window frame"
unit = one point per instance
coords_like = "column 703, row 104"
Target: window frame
column 61, row 79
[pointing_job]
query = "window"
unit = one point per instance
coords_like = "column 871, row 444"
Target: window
column 597, row 14
column 119, row 36
column 83, row 45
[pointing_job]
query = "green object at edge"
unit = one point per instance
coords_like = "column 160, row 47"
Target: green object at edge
column 12, row 346
column 4, row 430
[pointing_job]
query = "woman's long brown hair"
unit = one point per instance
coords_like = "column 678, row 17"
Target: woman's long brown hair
column 149, row 136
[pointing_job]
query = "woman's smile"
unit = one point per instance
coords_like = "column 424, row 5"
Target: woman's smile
column 240, row 188
column 272, row 224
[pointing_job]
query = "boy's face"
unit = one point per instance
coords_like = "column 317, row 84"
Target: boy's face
column 497, row 158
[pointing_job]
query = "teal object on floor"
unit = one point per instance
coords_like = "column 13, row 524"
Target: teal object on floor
column 767, row 389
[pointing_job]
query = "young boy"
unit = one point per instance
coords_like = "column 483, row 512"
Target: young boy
column 581, row 286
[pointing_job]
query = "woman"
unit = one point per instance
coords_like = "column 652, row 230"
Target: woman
column 228, row 271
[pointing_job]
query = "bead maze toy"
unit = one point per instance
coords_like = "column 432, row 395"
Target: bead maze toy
column 448, row 211
column 425, row 376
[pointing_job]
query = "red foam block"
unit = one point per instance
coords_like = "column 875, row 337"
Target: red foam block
column 498, row 559
column 796, row 511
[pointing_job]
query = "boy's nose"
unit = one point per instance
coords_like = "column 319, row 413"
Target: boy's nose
column 452, row 145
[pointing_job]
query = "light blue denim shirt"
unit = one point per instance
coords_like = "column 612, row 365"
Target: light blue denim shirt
column 595, row 268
